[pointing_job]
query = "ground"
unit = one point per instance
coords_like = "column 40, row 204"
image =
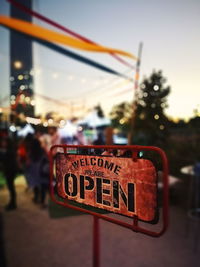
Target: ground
column 31, row 237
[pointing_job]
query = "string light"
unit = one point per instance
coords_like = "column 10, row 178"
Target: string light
column 18, row 64
column 26, row 76
column 162, row 105
column 70, row 77
column 156, row 87
column 33, row 102
column 62, row 123
column 38, row 71
column 142, row 116
column 22, row 87
column 22, row 96
column 96, row 83
column 145, row 94
column 55, row 75
column 122, row 121
column 34, row 121
column 12, row 128
column 83, row 81
column 20, row 77
column 108, row 88
column 31, row 72
column 27, row 99
column 50, row 121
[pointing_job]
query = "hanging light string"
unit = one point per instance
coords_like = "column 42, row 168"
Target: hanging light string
column 55, row 24
column 111, row 84
column 58, row 102
column 97, row 81
column 110, row 89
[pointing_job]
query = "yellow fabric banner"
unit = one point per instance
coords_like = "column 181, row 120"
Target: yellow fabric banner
column 52, row 36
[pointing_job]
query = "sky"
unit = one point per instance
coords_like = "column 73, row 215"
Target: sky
column 169, row 31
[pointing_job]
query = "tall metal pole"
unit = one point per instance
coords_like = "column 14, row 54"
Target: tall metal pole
column 96, row 242
column 137, row 72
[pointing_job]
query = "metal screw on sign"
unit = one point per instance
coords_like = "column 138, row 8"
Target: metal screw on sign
column 112, row 179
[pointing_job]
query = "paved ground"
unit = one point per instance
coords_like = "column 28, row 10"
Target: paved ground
column 32, row 238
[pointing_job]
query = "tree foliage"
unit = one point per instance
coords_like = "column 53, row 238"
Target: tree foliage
column 150, row 122
column 121, row 116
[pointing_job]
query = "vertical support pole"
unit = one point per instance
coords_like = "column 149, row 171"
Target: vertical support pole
column 137, row 72
column 96, row 242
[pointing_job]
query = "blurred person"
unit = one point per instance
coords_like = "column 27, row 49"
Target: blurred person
column 108, row 132
column 22, row 155
column 37, row 172
column 68, row 133
column 9, row 168
column 54, row 135
column 80, row 140
column 80, row 137
column 49, row 139
column 23, row 150
column 89, row 135
column 44, row 180
column 97, row 142
column 197, row 182
column 197, row 168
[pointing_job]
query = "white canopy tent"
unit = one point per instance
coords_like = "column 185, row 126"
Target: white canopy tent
column 69, row 130
column 94, row 121
column 28, row 129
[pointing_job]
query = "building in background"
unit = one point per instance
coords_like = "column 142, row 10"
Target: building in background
column 21, row 65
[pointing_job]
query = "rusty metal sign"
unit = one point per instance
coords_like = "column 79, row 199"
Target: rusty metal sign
column 112, row 178
column 120, row 185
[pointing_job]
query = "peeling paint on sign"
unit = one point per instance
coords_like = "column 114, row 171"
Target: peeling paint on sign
column 119, row 185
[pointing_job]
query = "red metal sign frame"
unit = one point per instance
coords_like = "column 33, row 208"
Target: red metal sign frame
column 135, row 149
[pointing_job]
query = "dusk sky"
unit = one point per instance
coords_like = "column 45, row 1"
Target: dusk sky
column 169, row 30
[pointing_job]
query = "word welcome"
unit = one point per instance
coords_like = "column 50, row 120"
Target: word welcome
column 100, row 162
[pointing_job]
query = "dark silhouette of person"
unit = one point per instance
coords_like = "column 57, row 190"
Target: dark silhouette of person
column 9, row 168
column 38, row 171
column 99, row 141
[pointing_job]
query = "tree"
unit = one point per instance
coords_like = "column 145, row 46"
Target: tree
column 121, row 116
column 151, row 123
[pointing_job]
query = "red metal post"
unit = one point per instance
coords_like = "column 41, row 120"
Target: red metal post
column 96, row 242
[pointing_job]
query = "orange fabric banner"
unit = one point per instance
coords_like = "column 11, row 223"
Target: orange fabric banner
column 52, row 36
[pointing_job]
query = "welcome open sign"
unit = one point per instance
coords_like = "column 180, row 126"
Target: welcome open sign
column 125, row 185
column 119, row 185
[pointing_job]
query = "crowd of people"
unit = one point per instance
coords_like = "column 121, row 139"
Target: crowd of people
column 29, row 155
